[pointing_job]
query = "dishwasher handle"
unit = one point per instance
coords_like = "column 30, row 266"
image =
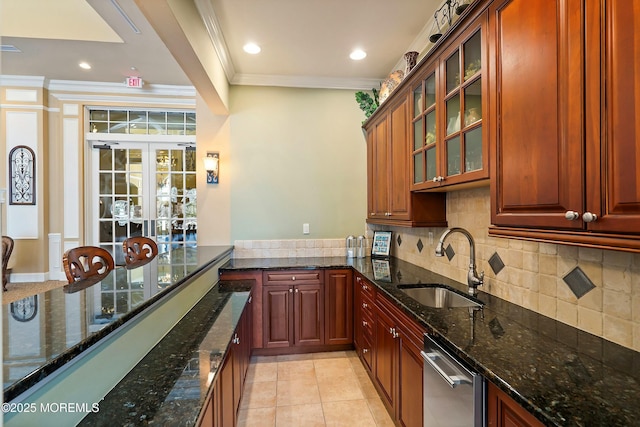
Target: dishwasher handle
column 432, row 358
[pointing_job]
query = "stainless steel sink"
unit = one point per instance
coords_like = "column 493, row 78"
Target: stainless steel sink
column 438, row 296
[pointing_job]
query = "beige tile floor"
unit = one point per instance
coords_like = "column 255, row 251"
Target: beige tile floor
column 309, row 390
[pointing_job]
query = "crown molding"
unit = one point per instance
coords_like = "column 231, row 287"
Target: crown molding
column 120, row 88
column 96, row 87
column 305, row 82
column 211, row 23
column 22, row 81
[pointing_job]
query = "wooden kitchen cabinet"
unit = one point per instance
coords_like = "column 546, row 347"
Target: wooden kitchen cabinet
column 293, row 309
column 564, row 162
column 398, row 364
column 222, row 405
column 338, row 303
column 364, row 317
column 503, row 411
column 256, row 300
column 390, row 200
column 450, row 138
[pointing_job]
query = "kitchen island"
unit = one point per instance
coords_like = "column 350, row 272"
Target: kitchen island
column 561, row 375
column 72, row 345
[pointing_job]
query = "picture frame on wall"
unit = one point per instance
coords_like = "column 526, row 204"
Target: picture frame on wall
column 381, row 244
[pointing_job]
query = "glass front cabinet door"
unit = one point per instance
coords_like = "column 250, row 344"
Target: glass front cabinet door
column 449, row 139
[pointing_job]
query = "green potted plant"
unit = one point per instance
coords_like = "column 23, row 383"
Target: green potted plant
column 367, row 103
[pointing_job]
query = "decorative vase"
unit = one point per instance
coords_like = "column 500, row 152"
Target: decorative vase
column 411, row 58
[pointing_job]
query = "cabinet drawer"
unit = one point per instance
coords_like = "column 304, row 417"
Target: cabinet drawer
column 365, row 287
column 367, row 306
column 367, row 325
column 292, row 277
column 366, row 352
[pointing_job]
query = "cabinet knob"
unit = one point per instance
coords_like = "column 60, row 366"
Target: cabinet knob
column 365, row 287
column 438, row 178
column 372, row 214
column 364, row 323
column 297, row 290
column 290, row 289
column 365, row 305
column 589, row 217
column 293, row 278
column 365, row 350
column 571, row 215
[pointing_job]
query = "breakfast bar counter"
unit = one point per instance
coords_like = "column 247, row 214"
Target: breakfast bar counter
column 53, row 340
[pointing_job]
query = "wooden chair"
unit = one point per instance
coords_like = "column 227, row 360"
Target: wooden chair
column 87, row 262
column 7, row 248
column 139, row 251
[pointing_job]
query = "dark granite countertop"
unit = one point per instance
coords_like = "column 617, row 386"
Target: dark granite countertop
column 564, row 376
column 44, row 332
column 169, row 386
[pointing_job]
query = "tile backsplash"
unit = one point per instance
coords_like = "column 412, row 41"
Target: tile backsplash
column 595, row 290
column 533, row 273
column 290, row 248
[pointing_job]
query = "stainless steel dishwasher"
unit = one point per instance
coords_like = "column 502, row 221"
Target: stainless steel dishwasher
column 454, row 396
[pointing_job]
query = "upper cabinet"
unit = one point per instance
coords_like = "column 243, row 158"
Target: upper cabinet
column 450, row 138
column 566, row 154
column 390, row 200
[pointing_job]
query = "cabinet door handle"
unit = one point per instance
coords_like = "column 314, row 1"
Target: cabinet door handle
column 290, row 289
column 372, row 214
column 571, row 215
column 589, row 217
column 365, row 287
column 297, row 290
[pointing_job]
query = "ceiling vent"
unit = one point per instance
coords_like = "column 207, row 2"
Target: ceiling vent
column 9, row 48
column 125, row 16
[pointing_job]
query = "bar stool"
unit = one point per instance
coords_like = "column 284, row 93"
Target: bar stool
column 138, row 251
column 86, row 262
column 7, row 248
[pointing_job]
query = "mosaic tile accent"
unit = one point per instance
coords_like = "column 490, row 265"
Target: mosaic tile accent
column 449, row 252
column 496, row 263
column 578, row 282
column 496, row 328
column 420, row 245
column 399, row 240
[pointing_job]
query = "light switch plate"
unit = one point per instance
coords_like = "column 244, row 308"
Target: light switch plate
column 305, row 228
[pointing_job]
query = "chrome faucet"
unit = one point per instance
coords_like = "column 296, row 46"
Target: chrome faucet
column 473, row 279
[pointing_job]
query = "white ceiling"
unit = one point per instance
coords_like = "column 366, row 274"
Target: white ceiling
column 304, row 42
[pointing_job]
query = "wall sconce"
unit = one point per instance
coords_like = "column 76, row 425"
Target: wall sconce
column 444, row 16
column 211, row 165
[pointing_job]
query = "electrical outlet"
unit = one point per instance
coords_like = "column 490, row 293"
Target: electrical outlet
column 305, row 228
column 431, row 237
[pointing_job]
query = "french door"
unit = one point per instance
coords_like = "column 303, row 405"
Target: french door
column 143, row 189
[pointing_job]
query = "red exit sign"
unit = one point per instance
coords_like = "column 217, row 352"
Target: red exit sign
column 134, row 82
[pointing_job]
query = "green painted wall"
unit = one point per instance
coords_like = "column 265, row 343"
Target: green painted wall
column 297, row 156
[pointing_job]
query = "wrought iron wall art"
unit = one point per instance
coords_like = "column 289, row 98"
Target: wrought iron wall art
column 22, row 175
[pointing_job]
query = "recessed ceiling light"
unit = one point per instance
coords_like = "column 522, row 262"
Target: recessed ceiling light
column 358, row 54
column 251, row 48
column 84, row 66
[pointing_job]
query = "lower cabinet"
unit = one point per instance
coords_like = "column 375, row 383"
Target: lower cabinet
column 389, row 344
column 503, row 411
column 338, row 303
column 221, row 408
column 293, row 315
